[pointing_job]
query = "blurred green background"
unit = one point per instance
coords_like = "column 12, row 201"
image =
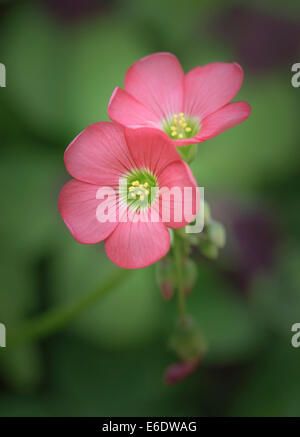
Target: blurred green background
column 63, row 59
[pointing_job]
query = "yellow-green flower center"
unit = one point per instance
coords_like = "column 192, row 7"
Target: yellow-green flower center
column 180, row 127
column 140, row 189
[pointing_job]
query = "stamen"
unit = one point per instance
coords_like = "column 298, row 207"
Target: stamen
column 180, row 127
column 138, row 189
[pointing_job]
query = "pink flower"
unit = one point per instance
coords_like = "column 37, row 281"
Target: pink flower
column 189, row 108
column 129, row 165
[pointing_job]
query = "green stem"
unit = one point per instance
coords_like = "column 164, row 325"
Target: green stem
column 54, row 319
column 180, row 288
column 188, row 153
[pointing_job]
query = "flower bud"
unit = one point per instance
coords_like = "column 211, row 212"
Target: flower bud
column 189, row 275
column 165, row 277
column 167, row 290
column 187, row 340
column 208, row 249
column 179, row 371
column 216, row 233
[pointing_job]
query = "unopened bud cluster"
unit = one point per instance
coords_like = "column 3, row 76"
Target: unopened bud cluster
column 187, row 340
column 166, row 276
column 213, row 237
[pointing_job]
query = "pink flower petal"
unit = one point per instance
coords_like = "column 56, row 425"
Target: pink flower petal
column 78, row 205
column 190, row 174
column 211, row 87
column 99, row 155
column 151, row 149
column 187, row 141
column 138, row 244
column 223, row 119
column 180, row 208
column 157, row 82
column 126, row 110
